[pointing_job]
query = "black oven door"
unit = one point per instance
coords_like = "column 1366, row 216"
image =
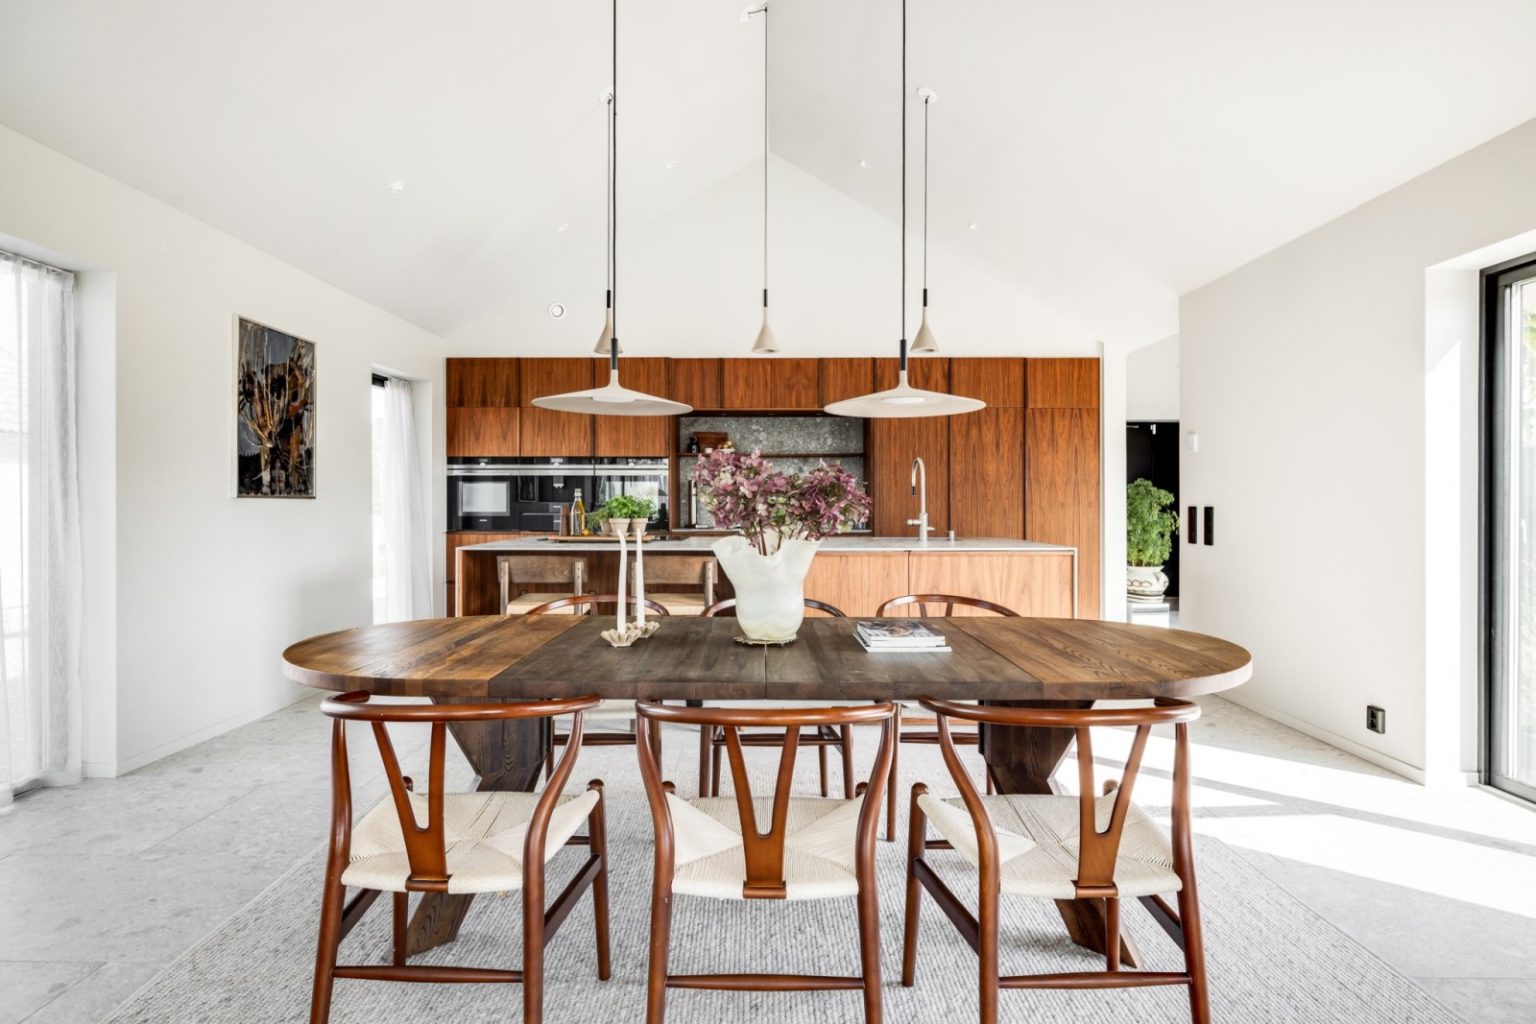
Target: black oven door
column 482, row 502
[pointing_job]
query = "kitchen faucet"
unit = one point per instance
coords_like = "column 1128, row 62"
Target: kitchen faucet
column 920, row 488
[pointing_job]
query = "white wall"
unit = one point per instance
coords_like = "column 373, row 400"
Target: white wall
column 1333, row 421
column 208, row 589
column 1152, row 381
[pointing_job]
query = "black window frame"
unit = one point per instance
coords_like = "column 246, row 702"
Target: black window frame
column 1494, row 365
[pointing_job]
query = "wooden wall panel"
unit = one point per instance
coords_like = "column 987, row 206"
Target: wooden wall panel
column 541, row 377
column 483, row 431
column 1062, row 383
column 695, row 382
column 846, row 378
column 1030, row 583
column 482, row 382
column 634, row 435
column 1061, row 495
column 986, row 472
column 892, row 446
column 931, row 373
column 771, row 384
column 546, row 432
column 998, row 382
column 857, row 583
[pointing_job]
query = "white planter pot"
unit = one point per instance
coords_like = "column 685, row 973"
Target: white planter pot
column 770, row 589
column 618, row 527
column 1145, row 583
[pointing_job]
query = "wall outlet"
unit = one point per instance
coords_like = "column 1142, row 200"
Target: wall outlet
column 1375, row 718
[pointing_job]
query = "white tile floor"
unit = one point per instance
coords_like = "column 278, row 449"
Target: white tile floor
column 103, row 884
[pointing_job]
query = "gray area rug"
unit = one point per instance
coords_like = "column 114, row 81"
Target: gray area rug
column 1270, row 959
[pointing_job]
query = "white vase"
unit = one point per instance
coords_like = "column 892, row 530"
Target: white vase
column 770, row 589
column 1145, row 583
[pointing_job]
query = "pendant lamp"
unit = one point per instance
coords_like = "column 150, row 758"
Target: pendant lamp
column 904, row 401
column 765, row 343
column 613, row 399
column 925, row 342
column 605, row 339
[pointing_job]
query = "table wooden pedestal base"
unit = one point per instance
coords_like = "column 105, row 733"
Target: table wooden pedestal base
column 1023, row 761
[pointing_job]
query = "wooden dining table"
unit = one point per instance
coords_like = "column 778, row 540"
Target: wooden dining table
column 1009, row 661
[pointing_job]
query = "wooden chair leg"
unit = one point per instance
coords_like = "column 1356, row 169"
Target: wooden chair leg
column 917, row 836
column 821, row 757
column 549, row 759
column 597, row 831
column 329, row 941
column 894, row 782
column 714, row 771
column 987, row 954
column 401, row 921
column 847, row 747
column 1111, row 934
column 869, row 951
column 706, row 744
column 661, row 940
column 1194, row 952
column 533, row 943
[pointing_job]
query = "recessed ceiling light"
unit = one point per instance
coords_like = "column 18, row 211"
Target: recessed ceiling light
column 556, row 310
column 396, row 187
column 562, row 228
column 671, row 165
column 974, row 226
column 864, row 164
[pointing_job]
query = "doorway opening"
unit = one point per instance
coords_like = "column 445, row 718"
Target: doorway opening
column 1152, row 453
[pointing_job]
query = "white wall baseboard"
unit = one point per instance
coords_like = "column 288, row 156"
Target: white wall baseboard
column 111, row 770
column 1413, row 773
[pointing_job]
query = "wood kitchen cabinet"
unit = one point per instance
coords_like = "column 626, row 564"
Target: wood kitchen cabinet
column 892, row 445
column 545, row 432
column 1037, row 583
column 1061, row 383
column 846, row 378
column 771, row 384
column 929, row 373
column 483, row 432
column 479, row 383
column 986, row 472
column 1061, row 490
column 695, row 382
column 998, row 382
column 635, row 435
column 857, row 583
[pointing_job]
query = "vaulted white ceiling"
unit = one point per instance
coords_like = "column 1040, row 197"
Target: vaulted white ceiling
column 1110, row 154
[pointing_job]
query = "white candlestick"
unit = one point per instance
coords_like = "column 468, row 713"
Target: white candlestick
column 639, row 572
column 623, row 580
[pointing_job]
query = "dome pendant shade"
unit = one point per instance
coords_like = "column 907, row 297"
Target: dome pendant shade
column 925, row 343
column 605, row 340
column 613, row 399
column 766, row 343
column 905, row 402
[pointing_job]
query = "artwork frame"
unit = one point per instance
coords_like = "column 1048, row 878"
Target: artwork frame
column 275, row 412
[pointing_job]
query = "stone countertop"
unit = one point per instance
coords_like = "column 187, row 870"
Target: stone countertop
column 840, row 544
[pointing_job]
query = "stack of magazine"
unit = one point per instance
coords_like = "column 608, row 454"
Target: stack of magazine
column 878, row 636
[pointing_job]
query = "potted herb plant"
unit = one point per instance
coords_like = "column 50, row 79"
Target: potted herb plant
column 1149, row 526
column 621, row 512
column 780, row 519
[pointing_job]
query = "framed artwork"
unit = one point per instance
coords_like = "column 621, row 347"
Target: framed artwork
column 274, row 413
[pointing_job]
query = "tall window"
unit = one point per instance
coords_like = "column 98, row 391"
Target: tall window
column 380, row 550
column 1509, row 525
column 39, row 529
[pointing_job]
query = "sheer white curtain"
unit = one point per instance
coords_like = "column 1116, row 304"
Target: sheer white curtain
column 39, row 530
column 407, row 563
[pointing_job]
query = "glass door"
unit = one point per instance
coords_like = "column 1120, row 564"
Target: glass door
column 1510, row 526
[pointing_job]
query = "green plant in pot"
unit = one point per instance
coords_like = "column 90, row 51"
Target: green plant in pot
column 621, row 511
column 1149, row 527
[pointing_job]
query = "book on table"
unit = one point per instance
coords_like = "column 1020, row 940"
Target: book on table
column 898, row 635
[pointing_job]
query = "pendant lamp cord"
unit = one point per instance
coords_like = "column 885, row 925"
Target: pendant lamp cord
column 765, row 158
column 613, row 186
column 926, row 100
column 903, row 185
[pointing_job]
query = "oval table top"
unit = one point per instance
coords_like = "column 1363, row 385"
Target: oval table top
column 696, row 658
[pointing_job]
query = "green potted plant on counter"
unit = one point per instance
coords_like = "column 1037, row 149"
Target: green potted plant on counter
column 1149, row 527
column 621, row 512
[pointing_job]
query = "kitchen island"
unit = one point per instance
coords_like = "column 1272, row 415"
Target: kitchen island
column 853, row 573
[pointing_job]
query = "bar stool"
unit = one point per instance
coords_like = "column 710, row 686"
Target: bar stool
column 907, row 712
column 711, row 741
column 807, row 848
column 696, row 570
column 1083, row 847
column 526, row 580
column 466, row 843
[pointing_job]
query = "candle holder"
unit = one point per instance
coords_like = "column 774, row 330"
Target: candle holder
column 628, row 635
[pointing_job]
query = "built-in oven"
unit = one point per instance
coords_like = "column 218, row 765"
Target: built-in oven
column 529, row 495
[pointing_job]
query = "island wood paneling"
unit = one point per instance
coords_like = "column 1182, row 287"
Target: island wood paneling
column 482, row 382
column 771, row 384
column 846, row 378
column 1030, row 583
column 931, row 373
column 856, row 583
column 893, row 444
column 454, row 540
column 483, row 431
column 1061, row 492
column 1062, row 384
column 545, row 432
column 986, row 472
column 635, row 435
column 695, row 382
column 998, row 382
